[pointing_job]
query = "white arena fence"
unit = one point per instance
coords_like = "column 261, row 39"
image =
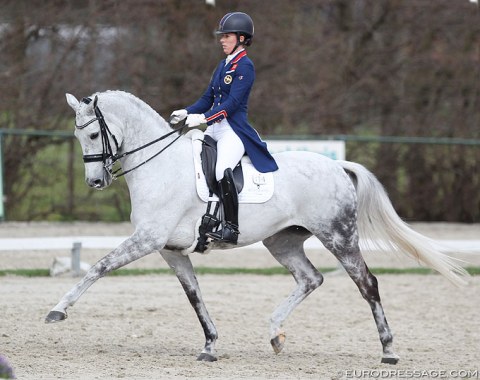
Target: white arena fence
column 77, row 243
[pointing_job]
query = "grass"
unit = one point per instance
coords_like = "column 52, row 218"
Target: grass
column 474, row 271
column 25, row 272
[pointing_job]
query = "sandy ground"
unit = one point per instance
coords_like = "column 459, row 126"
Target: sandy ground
column 144, row 328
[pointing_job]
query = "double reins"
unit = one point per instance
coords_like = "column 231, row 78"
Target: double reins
column 108, row 157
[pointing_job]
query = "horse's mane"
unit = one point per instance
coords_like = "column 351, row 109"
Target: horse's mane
column 143, row 106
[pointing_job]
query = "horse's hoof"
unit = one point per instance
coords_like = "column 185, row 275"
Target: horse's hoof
column 204, row 357
column 55, row 316
column 278, row 342
column 390, row 360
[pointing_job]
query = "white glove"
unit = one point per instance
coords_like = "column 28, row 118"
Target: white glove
column 195, row 119
column 178, row 116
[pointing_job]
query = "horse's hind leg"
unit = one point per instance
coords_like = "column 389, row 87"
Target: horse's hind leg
column 287, row 247
column 343, row 243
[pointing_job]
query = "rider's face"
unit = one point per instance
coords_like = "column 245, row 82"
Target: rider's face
column 228, row 42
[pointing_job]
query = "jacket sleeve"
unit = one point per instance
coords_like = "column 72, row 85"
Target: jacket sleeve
column 241, row 85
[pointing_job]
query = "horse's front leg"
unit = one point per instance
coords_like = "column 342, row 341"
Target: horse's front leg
column 135, row 247
column 184, row 270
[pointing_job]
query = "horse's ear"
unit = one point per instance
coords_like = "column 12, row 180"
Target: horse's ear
column 72, row 101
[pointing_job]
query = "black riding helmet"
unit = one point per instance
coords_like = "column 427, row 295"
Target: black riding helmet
column 239, row 23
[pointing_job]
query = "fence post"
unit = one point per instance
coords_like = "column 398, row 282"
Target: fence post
column 77, row 246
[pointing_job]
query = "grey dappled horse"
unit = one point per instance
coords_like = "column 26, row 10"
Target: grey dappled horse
column 314, row 195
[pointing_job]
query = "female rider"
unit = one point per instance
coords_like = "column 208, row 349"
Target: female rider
column 223, row 107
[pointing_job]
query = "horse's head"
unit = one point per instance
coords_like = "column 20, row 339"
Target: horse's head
column 100, row 137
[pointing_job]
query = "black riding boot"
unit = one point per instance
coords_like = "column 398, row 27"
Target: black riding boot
column 229, row 198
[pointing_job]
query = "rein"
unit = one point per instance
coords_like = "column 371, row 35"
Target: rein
column 107, row 157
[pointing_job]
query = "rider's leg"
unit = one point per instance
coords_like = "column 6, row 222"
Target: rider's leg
column 229, row 197
column 230, row 150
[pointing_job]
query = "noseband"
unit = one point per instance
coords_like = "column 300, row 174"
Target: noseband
column 108, row 157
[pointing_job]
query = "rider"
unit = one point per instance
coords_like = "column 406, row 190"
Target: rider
column 223, row 107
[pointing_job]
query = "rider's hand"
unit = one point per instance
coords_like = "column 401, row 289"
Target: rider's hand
column 178, row 116
column 195, row 119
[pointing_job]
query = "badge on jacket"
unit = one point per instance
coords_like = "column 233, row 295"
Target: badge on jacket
column 228, row 79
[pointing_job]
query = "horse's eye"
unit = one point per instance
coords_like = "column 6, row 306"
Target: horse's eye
column 93, row 136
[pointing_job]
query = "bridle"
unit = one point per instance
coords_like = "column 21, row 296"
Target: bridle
column 108, row 157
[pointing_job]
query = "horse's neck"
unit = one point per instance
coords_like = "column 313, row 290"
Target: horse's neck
column 140, row 124
column 150, row 184
column 141, row 130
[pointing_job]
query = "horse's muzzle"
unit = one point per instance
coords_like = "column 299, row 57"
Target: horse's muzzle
column 96, row 183
column 100, row 182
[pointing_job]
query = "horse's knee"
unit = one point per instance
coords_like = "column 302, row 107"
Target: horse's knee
column 100, row 269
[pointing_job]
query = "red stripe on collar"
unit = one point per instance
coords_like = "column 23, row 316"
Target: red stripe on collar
column 239, row 56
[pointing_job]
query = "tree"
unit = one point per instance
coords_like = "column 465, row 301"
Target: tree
column 363, row 67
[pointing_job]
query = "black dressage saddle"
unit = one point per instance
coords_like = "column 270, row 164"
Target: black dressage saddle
column 209, row 161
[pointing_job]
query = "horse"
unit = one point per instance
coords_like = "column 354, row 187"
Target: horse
column 336, row 201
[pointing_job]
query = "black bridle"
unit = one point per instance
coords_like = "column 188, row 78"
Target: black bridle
column 108, row 157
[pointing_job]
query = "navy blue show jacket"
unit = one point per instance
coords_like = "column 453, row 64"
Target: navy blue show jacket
column 227, row 97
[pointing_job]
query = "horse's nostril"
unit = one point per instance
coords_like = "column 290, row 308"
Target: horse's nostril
column 94, row 182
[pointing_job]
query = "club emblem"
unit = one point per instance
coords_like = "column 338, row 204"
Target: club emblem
column 228, row 79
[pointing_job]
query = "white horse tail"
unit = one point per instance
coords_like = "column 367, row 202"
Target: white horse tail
column 382, row 229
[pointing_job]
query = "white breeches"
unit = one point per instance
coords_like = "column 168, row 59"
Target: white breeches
column 230, row 148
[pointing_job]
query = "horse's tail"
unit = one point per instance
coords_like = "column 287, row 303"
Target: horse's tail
column 382, row 228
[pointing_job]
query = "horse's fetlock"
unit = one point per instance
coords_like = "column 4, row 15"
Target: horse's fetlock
column 386, row 338
column 211, row 338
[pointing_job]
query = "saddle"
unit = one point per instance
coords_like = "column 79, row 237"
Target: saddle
column 209, row 161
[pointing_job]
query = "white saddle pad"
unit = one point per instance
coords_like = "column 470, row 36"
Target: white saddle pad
column 257, row 188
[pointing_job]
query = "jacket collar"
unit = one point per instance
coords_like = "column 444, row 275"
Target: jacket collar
column 236, row 57
column 239, row 56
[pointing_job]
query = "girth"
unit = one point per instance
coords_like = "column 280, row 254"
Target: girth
column 209, row 161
